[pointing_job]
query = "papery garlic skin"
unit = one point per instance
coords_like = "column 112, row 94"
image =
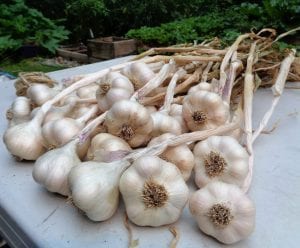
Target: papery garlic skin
column 52, row 168
column 104, row 143
column 181, row 155
column 149, row 176
column 94, row 188
column 220, row 158
column 163, row 123
column 112, row 88
column 204, row 110
column 41, row 93
column 223, row 211
column 139, row 74
column 176, row 112
column 130, row 121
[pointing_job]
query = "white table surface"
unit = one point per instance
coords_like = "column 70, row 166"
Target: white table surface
column 30, row 216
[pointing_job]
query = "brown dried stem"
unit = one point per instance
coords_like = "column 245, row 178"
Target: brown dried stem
column 206, row 71
column 182, row 60
column 171, row 90
column 179, row 88
column 235, row 67
column 176, row 235
column 226, row 59
column 155, row 82
column 248, row 101
column 277, row 91
column 182, row 139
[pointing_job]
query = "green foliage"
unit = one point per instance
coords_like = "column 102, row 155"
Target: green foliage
column 226, row 23
column 84, row 15
column 20, row 25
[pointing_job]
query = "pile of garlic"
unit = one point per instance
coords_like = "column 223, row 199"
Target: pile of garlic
column 142, row 128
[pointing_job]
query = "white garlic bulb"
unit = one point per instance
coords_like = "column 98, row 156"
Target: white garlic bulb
column 94, row 188
column 181, row 155
column 112, row 88
column 153, row 191
column 60, row 131
column 130, row 121
column 20, row 109
column 56, row 112
column 202, row 86
column 223, row 211
column 139, row 74
column 88, row 91
column 204, row 110
column 103, row 143
column 176, row 112
column 52, row 168
column 163, row 123
column 220, row 158
column 25, row 140
column 41, row 93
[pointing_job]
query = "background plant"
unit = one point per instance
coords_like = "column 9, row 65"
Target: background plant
column 21, row 25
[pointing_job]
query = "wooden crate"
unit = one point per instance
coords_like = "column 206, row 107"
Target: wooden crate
column 110, row 47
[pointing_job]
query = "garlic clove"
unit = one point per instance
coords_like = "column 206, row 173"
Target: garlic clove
column 52, row 168
column 204, row 110
column 181, row 155
column 223, row 211
column 220, row 158
column 151, row 176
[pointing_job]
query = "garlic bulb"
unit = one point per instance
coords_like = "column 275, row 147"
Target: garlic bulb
column 61, row 131
column 41, row 93
column 25, row 140
column 56, row 113
column 176, row 112
column 130, row 121
column 151, row 109
column 94, row 188
column 181, row 155
column 220, row 158
column 58, row 132
column 139, row 74
column 153, row 191
column 88, row 91
column 223, row 211
column 103, row 143
column 204, row 110
column 52, row 168
column 163, row 123
column 114, row 87
column 202, row 86
column 20, row 109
